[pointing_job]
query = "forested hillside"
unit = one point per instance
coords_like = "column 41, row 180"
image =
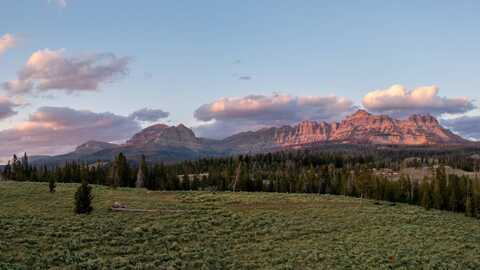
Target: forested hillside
column 357, row 172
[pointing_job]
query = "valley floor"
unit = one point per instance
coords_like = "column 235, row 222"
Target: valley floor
column 203, row 230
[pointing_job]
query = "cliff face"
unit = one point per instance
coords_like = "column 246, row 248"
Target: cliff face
column 172, row 143
column 360, row 127
column 363, row 127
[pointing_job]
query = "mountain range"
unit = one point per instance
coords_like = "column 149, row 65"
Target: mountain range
column 174, row 143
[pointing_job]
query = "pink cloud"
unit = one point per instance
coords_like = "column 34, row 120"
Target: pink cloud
column 398, row 100
column 52, row 70
column 55, row 130
column 229, row 115
column 7, row 107
column 7, row 41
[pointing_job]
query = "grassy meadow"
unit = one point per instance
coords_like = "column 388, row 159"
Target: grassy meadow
column 204, row 230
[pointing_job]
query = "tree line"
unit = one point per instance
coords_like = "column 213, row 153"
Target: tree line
column 338, row 173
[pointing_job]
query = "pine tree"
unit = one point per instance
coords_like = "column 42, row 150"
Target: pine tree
column 25, row 167
column 7, row 171
column 142, row 171
column 114, row 180
column 16, row 169
column 439, row 190
column 470, row 202
column 121, row 171
column 453, row 194
column 426, row 194
column 51, row 184
column 83, row 199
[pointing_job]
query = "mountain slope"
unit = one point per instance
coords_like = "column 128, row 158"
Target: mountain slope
column 92, row 147
column 358, row 128
column 173, row 143
column 163, row 135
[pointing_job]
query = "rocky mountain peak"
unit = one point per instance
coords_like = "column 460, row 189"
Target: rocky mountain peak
column 94, row 146
column 163, row 135
column 360, row 114
column 169, row 143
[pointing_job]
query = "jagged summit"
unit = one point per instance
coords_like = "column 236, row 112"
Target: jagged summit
column 160, row 134
column 359, row 113
column 358, row 128
column 169, row 143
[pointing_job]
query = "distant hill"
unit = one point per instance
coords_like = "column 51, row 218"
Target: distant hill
column 174, row 143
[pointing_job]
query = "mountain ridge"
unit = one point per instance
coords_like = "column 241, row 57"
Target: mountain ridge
column 161, row 142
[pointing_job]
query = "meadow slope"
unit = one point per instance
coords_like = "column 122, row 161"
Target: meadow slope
column 203, row 230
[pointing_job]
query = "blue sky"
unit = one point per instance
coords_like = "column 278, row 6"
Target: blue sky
column 184, row 54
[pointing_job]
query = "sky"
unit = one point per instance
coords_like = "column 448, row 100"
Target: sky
column 79, row 70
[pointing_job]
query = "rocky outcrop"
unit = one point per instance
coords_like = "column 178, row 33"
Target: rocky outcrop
column 358, row 128
column 163, row 135
column 91, row 147
column 173, row 143
column 363, row 127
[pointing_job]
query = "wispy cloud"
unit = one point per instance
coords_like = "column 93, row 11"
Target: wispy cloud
column 244, row 78
column 149, row 115
column 7, row 107
column 59, row 3
column 7, row 41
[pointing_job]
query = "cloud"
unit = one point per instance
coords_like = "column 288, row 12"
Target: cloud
column 398, row 101
column 244, row 78
column 59, row 3
column 7, row 41
column 229, row 115
column 51, row 70
column 223, row 129
column 6, row 107
column 17, row 87
column 147, row 75
column 466, row 126
column 56, row 130
column 149, row 115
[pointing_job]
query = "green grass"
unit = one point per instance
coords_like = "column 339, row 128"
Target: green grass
column 202, row 230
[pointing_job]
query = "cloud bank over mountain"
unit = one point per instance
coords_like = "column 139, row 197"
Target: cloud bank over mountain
column 226, row 116
column 56, row 130
column 398, row 101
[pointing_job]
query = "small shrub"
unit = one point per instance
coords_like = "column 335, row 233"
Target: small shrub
column 51, row 184
column 83, row 199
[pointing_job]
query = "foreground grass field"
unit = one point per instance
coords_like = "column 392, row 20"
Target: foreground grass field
column 201, row 230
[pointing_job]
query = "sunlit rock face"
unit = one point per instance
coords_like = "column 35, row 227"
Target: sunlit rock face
column 163, row 135
column 362, row 127
column 304, row 133
column 172, row 143
column 358, row 128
